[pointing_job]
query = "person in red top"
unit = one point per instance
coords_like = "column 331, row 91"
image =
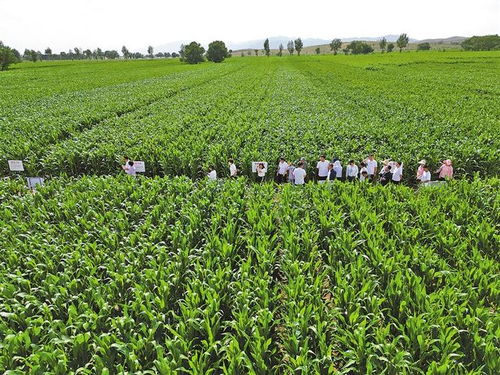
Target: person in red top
column 445, row 171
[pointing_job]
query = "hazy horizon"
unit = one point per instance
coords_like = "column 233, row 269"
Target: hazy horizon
column 63, row 25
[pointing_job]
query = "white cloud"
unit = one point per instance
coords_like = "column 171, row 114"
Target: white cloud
column 64, row 24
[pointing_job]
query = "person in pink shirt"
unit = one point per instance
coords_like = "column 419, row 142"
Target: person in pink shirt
column 445, row 171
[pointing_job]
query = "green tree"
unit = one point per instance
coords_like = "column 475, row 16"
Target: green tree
column 482, row 43
column 256, row 51
column 48, row 51
column 346, row 51
column 402, row 41
column 192, row 53
column 390, row 47
column 88, row 54
column 423, row 46
column 217, row 51
column 125, row 52
column 111, row 55
column 298, row 45
column 99, row 54
column 266, row 47
column 382, row 44
column 280, row 50
column 150, row 51
column 335, row 45
column 317, row 50
column 358, row 47
column 7, row 57
column 290, row 47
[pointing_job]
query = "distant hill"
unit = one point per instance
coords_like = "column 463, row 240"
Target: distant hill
column 450, row 40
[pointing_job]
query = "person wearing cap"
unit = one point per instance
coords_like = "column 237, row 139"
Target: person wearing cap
column 445, row 171
column 420, row 170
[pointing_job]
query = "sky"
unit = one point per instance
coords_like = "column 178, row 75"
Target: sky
column 110, row 24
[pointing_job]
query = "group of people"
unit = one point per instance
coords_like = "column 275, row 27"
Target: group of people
column 327, row 171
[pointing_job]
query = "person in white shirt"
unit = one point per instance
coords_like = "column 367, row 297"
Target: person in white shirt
column 371, row 167
column 232, row 169
column 363, row 172
column 261, row 172
column 300, row 174
column 331, row 173
column 322, row 168
column 282, row 171
column 129, row 168
column 212, row 174
column 397, row 173
column 426, row 176
column 352, row 171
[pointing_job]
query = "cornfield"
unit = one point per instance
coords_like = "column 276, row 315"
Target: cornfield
column 171, row 276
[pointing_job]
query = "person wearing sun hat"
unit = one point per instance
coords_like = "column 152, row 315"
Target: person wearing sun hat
column 445, row 171
column 420, row 170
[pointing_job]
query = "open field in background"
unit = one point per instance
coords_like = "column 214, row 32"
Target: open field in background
column 115, row 274
column 81, row 117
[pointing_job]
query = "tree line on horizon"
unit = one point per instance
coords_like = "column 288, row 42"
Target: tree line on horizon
column 194, row 52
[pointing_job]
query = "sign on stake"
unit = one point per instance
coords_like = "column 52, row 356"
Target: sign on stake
column 16, row 165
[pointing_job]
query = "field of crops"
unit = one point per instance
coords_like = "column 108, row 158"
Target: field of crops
column 81, row 117
column 107, row 274
column 101, row 273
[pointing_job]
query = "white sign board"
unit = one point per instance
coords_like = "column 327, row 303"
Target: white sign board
column 34, row 181
column 256, row 163
column 16, row 165
column 139, row 166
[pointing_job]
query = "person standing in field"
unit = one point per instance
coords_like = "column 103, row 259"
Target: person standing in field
column 331, row 173
column 300, row 174
column 363, row 172
column 352, row 171
column 385, row 175
column 291, row 168
column 420, row 169
column 233, row 172
column 130, row 169
column 426, row 175
column 261, row 172
column 212, row 174
column 371, row 167
column 282, row 171
column 445, row 171
column 337, row 167
column 322, row 168
column 125, row 165
column 397, row 173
